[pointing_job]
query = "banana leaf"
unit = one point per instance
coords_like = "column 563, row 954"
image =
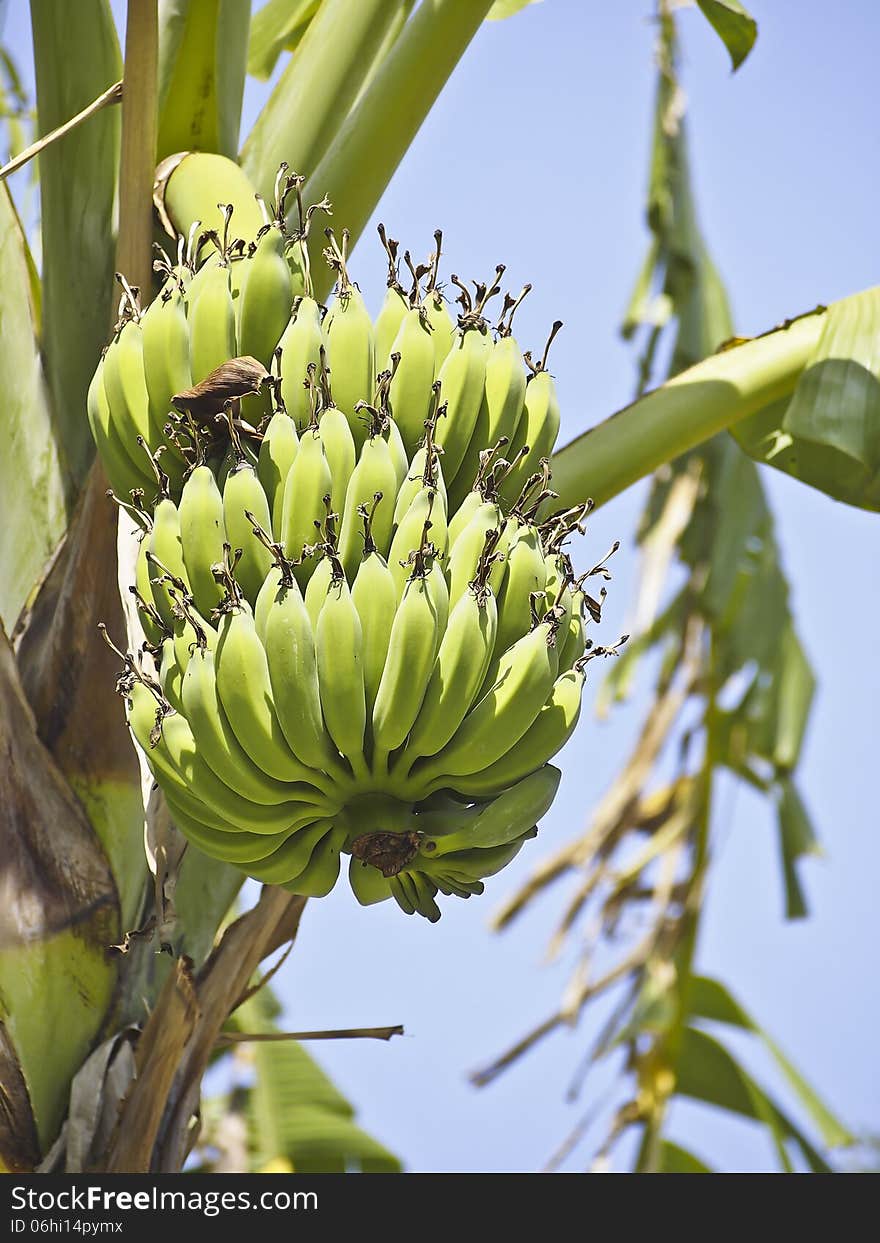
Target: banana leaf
column 275, row 28
column 828, row 434
column 202, row 58
column 677, row 1160
column 737, row 29
column 295, row 1114
column 32, row 465
column 710, row 1000
column 76, row 57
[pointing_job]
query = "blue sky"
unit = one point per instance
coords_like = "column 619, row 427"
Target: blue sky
column 536, row 156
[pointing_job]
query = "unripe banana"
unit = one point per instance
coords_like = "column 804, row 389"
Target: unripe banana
column 339, row 450
column 165, row 340
column 424, row 891
column 526, row 574
column 154, row 630
column 350, row 345
column 463, row 515
column 125, row 471
column 265, row 600
column 177, row 765
column 167, row 549
column 469, row 548
column 266, row 296
column 548, row 733
column 317, row 588
column 415, row 637
column 374, row 473
column 277, row 454
column 574, row 637
column 500, row 411
column 367, row 883
column 293, row 670
column 468, row 865
column 171, row 674
column 410, row 396
column 442, row 326
column 202, row 536
column 245, row 691
column 502, row 821
column 462, row 379
column 404, row 893
column 525, row 680
column 292, row 856
column 239, row 848
column 339, row 645
column 375, row 597
column 462, row 659
column 308, row 482
column 300, row 346
column 243, row 494
column 538, row 429
column 394, row 307
column 220, row 748
column 212, row 323
column 322, row 871
column 428, row 505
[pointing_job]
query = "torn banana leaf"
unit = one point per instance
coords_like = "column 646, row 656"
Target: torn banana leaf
column 828, row 433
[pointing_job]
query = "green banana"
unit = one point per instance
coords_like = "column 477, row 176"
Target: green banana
column 538, row 428
column 292, row 855
column 339, row 646
column 124, row 470
column 165, row 556
column 238, row 848
column 177, row 765
column 428, row 506
column 289, row 641
column 322, row 871
column 526, row 574
column 349, row 342
column 462, row 378
column 308, row 482
column 548, row 733
column 525, row 680
column 462, row 659
column 410, row 395
column 374, row 594
column 367, row 883
column 211, row 323
column 245, row 691
column 266, row 295
column 502, row 821
column 415, row 637
column 300, row 348
column 469, row 549
column 574, row 637
column 165, row 344
column 339, row 450
column 219, row 746
column 278, row 451
column 202, row 536
column 374, row 475
column 243, row 495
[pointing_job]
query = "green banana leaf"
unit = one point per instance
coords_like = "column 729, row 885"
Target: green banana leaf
column 507, row 8
column 677, row 1160
column 315, row 93
column 709, row 999
column 202, row 59
column 737, row 29
column 76, row 57
column 828, row 433
column 295, row 1114
column 796, row 839
column 707, row 1071
column 32, row 467
column 275, row 28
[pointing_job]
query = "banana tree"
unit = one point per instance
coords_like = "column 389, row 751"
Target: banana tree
column 117, row 932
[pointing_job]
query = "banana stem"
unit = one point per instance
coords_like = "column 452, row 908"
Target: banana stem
column 372, row 141
column 692, row 407
column 138, row 149
column 318, row 88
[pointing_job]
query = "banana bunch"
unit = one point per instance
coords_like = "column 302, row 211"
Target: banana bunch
column 364, row 635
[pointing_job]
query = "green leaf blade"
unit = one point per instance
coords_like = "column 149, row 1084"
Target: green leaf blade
column 736, row 28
